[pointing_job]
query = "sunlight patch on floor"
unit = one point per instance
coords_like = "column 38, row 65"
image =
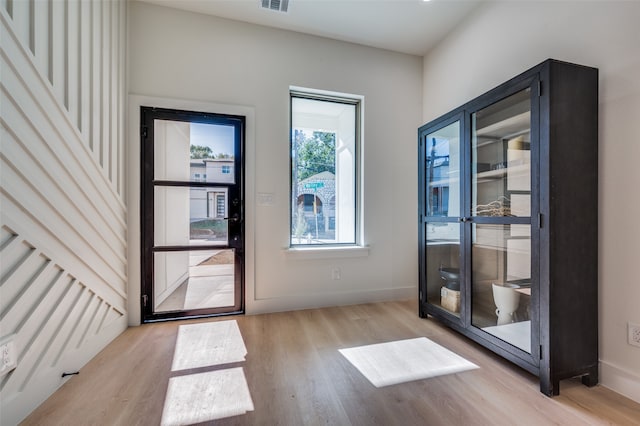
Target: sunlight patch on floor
column 204, row 397
column 208, row 344
column 386, row 364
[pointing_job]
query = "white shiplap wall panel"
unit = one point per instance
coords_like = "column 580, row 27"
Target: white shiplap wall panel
column 16, row 253
column 20, row 13
column 20, row 276
column 96, row 79
column 50, row 120
column 41, row 37
column 105, row 87
column 85, row 69
column 72, row 40
column 15, row 217
column 63, row 218
column 122, row 109
column 57, row 185
column 57, row 30
column 113, row 86
column 19, row 308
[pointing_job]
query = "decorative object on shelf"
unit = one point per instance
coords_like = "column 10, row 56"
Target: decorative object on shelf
column 499, row 166
column 450, row 299
column 451, row 277
column 499, row 207
column 507, row 300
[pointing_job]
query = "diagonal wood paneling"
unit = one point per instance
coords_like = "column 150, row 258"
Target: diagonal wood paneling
column 58, row 321
column 63, row 231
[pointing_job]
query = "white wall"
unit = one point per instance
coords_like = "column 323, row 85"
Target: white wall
column 185, row 56
column 503, row 39
column 63, row 218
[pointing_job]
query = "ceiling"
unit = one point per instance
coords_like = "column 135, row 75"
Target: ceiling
column 408, row 26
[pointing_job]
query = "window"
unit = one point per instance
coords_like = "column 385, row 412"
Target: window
column 226, row 170
column 221, row 205
column 325, row 139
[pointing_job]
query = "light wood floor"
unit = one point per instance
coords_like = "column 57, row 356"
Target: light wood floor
column 296, row 376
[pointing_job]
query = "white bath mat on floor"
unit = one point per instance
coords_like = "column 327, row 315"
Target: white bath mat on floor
column 386, row 364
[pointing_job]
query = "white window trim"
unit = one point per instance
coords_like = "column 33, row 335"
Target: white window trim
column 327, row 251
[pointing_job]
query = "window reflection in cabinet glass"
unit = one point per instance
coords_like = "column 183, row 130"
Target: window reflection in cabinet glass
column 501, row 283
column 443, row 265
column 443, row 172
column 501, row 166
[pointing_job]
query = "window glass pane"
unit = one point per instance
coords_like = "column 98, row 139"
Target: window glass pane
column 501, row 282
column 324, row 155
column 190, row 215
column 194, row 279
column 194, row 152
column 501, row 167
column 443, row 265
column 443, row 172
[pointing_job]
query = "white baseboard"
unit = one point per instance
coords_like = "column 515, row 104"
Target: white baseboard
column 619, row 380
column 311, row 301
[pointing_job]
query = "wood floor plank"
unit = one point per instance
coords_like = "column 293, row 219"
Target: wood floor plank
column 297, row 376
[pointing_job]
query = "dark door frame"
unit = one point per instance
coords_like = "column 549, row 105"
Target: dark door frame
column 235, row 212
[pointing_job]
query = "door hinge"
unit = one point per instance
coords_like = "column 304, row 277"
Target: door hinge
column 539, row 220
column 539, row 87
column 540, row 351
column 144, row 300
column 143, row 131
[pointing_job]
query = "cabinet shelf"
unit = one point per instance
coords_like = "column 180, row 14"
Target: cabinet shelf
column 491, row 175
column 486, row 176
column 508, row 128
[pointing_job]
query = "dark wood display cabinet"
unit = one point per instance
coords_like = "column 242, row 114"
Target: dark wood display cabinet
column 508, row 221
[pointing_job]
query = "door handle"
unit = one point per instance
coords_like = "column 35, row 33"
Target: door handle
column 234, row 218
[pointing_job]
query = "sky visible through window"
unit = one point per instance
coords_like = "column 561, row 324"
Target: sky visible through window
column 216, row 137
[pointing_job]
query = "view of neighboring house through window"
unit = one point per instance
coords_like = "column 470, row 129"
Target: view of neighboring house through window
column 324, row 169
column 211, row 162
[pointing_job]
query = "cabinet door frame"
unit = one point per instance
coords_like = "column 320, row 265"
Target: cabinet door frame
column 425, row 308
column 530, row 361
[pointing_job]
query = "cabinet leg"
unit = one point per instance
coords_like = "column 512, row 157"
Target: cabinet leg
column 422, row 310
column 591, row 378
column 551, row 388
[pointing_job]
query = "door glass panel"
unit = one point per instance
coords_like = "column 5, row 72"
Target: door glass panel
column 190, row 216
column 501, row 282
column 443, row 265
column 194, row 152
column 501, row 158
column 443, row 172
column 196, row 279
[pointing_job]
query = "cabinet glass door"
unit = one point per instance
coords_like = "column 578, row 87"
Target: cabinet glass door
column 442, row 211
column 501, row 219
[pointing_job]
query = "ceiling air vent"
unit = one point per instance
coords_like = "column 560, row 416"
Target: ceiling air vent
column 276, row 5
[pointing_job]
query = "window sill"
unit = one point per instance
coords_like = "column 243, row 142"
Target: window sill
column 333, row 252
